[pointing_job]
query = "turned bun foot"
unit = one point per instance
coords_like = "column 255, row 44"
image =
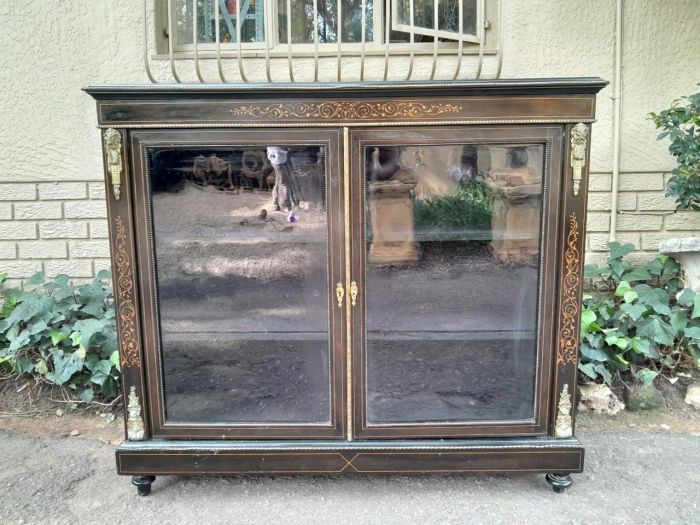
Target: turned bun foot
column 559, row 482
column 143, row 484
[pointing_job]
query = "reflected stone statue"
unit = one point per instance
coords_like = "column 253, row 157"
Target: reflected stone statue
column 283, row 197
column 517, row 190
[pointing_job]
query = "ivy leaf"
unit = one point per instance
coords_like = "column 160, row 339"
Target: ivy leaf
column 589, row 370
column 686, row 297
column 65, row 365
column 87, row 395
column 617, row 250
column 696, row 307
column 588, row 317
column 593, row 354
column 657, row 330
column 36, row 279
column 635, row 311
column 631, row 296
column 646, row 376
column 636, row 274
column 114, row 359
column 57, row 337
column 692, row 332
column 622, row 289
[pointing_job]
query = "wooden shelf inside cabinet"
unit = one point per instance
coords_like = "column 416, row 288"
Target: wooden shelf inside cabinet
column 397, row 290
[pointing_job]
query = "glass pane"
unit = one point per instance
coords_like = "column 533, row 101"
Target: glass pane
column 448, row 16
column 453, row 240
column 241, row 257
column 302, row 12
column 252, row 20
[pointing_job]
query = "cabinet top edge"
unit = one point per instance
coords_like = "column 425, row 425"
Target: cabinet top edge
column 524, row 86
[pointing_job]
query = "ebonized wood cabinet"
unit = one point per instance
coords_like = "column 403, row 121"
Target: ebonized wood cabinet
column 348, row 278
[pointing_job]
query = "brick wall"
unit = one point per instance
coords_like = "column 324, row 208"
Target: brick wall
column 55, row 227
column 645, row 215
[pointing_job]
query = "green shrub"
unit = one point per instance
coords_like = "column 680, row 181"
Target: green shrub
column 681, row 124
column 470, row 207
column 639, row 319
column 62, row 334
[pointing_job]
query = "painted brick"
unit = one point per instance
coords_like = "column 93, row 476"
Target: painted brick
column 43, row 250
column 97, row 190
column 599, row 201
column 62, row 190
column 5, row 211
column 655, row 201
column 688, row 220
column 8, row 250
column 639, row 222
column 37, row 210
column 599, row 182
column 21, row 269
column 17, row 230
column 13, row 283
column 63, row 230
column 17, row 192
column 72, row 268
column 598, row 222
column 602, row 201
column 650, row 241
column 99, row 230
column 85, row 209
column 641, row 182
column 596, row 258
column 89, row 249
column 599, row 241
column 102, row 264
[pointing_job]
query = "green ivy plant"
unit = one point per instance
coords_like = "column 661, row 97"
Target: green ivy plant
column 61, row 333
column 639, row 319
column 681, row 124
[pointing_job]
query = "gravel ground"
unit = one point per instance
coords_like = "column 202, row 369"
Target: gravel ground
column 631, row 477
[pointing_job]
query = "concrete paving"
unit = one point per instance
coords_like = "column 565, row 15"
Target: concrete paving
column 631, row 477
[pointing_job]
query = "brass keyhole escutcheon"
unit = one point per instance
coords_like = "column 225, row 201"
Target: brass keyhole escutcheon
column 353, row 293
column 339, row 294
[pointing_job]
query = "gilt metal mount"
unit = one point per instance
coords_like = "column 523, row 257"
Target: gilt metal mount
column 579, row 141
column 113, row 151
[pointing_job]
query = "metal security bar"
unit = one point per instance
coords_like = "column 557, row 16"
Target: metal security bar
column 331, row 51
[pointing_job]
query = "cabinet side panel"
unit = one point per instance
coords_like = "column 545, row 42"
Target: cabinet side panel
column 125, row 283
column 572, row 232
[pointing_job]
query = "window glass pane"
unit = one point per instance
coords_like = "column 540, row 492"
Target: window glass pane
column 302, row 15
column 240, row 235
column 252, row 20
column 448, row 15
column 453, row 246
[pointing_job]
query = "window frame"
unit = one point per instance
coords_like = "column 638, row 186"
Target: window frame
column 487, row 25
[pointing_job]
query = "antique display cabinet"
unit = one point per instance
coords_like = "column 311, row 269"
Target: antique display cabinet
column 344, row 278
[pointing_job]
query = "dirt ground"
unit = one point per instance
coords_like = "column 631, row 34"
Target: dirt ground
column 641, row 468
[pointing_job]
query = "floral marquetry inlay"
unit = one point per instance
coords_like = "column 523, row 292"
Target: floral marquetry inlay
column 346, row 110
column 128, row 343
column 568, row 331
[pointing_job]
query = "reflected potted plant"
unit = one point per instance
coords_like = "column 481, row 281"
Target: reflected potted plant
column 681, row 124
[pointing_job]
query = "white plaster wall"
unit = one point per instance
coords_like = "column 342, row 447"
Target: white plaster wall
column 52, row 48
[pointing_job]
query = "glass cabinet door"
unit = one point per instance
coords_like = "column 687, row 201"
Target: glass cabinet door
column 243, row 250
column 450, row 251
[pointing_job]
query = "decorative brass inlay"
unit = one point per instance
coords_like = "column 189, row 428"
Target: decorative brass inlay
column 134, row 422
column 346, row 110
column 353, row 293
column 562, row 427
column 128, row 344
column 579, row 139
column 568, row 333
column 339, row 294
column 113, row 150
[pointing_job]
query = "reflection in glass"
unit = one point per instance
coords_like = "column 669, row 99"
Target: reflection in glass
column 453, row 240
column 252, row 15
column 302, row 21
column 240, row 245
